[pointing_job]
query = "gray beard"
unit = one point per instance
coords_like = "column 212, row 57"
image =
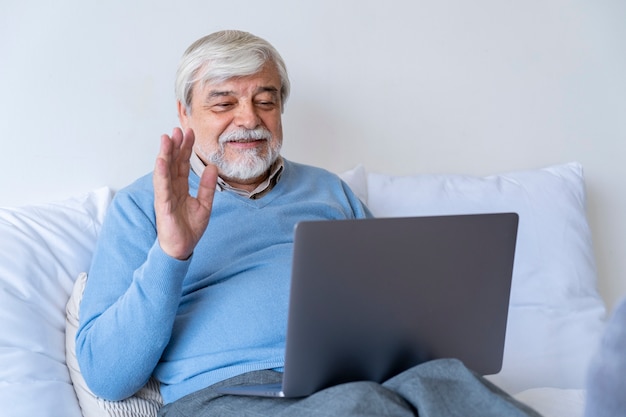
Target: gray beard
column 250, row 164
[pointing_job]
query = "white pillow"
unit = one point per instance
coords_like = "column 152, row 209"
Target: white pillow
column 145, row 403
column 556, row 314
column 554, row 401
column 43, row 248
column 356, row 178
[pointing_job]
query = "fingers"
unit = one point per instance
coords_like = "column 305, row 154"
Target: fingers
column 162, row 181
column 175, row 152
column 170, row 146
column 185, row 149
column 162, row 176
column 207, row 186
column 166, row 153
column 171, row 172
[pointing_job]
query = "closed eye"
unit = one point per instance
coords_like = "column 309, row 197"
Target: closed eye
column 266, row 105
column 224, row 106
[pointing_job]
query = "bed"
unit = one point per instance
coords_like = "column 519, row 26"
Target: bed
column 556, row 315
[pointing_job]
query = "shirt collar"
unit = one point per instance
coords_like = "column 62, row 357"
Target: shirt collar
column 197, row 166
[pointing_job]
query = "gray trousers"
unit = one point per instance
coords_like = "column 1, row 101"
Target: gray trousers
column 438, row 388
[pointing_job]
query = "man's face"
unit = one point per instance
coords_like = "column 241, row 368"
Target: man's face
column 237, row 124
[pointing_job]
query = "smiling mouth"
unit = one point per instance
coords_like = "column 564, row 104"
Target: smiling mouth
column 245, row 143
column 245, row 140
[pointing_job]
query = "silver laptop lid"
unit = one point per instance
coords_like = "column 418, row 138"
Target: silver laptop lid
column 373, row 297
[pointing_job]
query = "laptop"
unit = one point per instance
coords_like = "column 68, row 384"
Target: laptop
column 371, row 298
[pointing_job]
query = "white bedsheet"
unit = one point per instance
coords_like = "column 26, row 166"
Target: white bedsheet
column 554, row 402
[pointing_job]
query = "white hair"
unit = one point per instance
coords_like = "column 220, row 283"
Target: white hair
column 223, row 55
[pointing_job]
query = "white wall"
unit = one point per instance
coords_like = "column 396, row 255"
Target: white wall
column 401, row 86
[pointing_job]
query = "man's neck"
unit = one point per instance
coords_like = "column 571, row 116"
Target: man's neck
column 247, row 185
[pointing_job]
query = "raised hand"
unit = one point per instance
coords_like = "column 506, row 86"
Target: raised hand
column 181, row 219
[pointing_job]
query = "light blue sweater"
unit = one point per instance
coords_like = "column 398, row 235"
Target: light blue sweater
column 219, row 314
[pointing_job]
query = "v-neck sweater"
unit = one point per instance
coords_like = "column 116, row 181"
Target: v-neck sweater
column 219, row 314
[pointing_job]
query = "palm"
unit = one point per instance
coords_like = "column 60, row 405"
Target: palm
column 181, row 219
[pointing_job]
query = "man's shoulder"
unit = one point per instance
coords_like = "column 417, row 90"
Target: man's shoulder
column 308, row 171
column 142, row 184
column 140, row 192
column 318, row 182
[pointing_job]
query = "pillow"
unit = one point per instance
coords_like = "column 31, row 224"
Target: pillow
column 145, row 403
column 356, row 178
column 554, row 401
column 556, row 315
column 42, row 250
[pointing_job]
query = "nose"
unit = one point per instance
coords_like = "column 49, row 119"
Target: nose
column 246, row 116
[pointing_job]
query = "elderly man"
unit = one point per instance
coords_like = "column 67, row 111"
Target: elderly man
column 190, row 277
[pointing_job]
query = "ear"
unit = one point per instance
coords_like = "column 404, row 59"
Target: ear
column 183, row 114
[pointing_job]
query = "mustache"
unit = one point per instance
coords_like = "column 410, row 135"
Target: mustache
column 259, row 133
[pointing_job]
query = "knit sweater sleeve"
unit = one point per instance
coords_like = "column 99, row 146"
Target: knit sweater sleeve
column 130, row 277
